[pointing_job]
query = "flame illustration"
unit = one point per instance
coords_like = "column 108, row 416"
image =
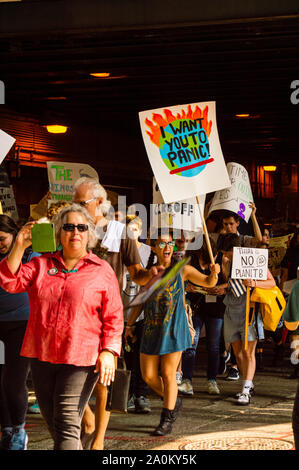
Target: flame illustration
column 160, row 121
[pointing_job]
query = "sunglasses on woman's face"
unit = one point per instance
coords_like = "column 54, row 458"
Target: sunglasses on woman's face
column 71, row 227
column 163, row 244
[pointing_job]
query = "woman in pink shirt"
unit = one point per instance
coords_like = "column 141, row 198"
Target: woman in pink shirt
column 75, row 324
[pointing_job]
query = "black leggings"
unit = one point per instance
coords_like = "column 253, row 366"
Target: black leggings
column 295, row 419
column 13, row 375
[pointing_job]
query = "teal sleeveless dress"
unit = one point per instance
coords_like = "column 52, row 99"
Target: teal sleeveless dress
column 165, row 324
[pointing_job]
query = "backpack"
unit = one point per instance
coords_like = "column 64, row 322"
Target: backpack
column 272, row 305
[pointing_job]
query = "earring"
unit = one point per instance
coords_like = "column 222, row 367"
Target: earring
column 59, row 248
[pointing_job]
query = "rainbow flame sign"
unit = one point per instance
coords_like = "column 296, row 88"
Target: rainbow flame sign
column 184, row 151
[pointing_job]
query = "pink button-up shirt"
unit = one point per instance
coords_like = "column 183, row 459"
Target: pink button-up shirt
column 73, row 316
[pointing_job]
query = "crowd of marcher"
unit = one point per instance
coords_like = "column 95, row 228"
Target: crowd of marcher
column 65, row 319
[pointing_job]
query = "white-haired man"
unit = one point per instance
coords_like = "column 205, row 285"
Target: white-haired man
column 121, row 252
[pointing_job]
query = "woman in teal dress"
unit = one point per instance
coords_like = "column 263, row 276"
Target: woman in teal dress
column 166, row 332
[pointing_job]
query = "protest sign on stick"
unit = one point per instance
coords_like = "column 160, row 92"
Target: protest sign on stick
column 180, row 215
column 6, row 142
column 237, row 197
column 62, row 177
column 249, row 263
column 184, row 151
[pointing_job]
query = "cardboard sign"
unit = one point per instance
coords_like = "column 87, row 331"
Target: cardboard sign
column 6, row 142
column 8, row 202
column 277, row 249
column 250, row 263
column 62, row 177
column 236, row 198
column 181, row 215
column 184, row 151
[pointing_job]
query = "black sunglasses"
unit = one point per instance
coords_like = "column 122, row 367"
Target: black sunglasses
column 71, row 227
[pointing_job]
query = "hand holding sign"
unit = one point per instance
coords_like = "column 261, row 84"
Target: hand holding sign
column 238, row 198
column 249, row 264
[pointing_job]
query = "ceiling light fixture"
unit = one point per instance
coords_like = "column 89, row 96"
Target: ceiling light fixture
column 100, row 74
column 242, row 115
column 56, row 129
column 270, row 168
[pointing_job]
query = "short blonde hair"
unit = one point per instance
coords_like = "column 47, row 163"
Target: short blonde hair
column 55, row 207
column 134, row 219
column 58, row 222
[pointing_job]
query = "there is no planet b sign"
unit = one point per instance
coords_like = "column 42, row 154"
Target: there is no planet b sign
column 184, row 151
column 250, row 263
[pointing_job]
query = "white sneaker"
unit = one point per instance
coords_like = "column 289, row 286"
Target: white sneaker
column 213, row 388
column 179, row 377
column 243, row 399
column 186, row 387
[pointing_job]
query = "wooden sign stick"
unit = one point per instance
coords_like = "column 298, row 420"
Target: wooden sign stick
column 205, row 231
column 247, row 317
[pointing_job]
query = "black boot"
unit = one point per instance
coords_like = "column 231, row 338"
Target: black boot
column 165, row 426
column 178, row 406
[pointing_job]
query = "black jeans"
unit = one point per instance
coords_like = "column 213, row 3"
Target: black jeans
column 13, row 375
column 62, row 391
column 295, row 419
column 132, row 358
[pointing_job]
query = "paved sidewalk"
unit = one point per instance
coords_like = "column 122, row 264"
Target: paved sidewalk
column 205, row 421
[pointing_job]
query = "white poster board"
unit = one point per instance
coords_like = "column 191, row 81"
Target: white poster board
column 62, row 177
column 250, row 263
column 6, row 142
column 184, row 151
column 236, row 198
column 181, row 215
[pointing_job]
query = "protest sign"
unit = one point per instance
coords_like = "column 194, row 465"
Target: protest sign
column 183, row 148
column 8, row 202
column 6, row 142
column 62, row 177
column 250, row 263
column 277, row 249
column 236, row 198
column 181, row 215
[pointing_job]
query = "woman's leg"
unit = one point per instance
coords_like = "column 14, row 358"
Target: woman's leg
column 169, row 364
column 149, row 366
column 238, row 354
column 63, row 391
column 14, row 373
column 188, row 356
column 214, row 331
column 249, row 361
column 43, row 378
column 295, row 419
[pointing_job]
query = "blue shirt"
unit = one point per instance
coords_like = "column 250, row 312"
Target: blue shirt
column 15, row 307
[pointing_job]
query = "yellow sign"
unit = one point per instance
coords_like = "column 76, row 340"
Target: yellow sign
column 277, row 249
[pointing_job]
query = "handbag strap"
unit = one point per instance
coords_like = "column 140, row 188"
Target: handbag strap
column 183, row 287
column 123, row 362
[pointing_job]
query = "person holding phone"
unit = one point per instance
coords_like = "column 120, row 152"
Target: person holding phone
column 75, row 324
